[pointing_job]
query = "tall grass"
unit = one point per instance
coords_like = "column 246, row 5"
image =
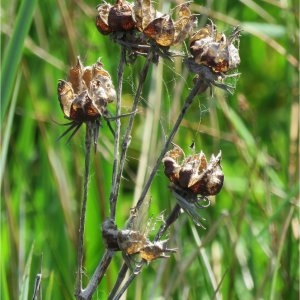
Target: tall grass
column 250, row 247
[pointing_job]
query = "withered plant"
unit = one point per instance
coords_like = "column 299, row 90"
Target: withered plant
column 140, row 30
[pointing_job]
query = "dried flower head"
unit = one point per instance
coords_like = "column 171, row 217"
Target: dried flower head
column 194, row 174
column 84, row 97
column 132, row 242
column 193, row 178
column 214, row 50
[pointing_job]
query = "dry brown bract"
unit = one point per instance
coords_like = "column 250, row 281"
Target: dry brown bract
column 133, row 242
column 194, row 174
column 84, row 97
column 214, row 50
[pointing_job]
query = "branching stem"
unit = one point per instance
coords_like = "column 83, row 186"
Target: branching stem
column 199, row 87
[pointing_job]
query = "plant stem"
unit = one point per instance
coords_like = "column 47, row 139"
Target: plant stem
column 88, row 292
column 88, row 142
column 121, row 276
column 127, row 136
column 199, row 87
column 172, row 217
column 115, row 185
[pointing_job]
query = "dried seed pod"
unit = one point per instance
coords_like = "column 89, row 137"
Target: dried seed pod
column 131, row 241
column 161, row 30
column 84, row 97
column 155, row 250
column 118, row 17
column 212, row 49
column 194, row 174
column 86, row 94
column 160, row 27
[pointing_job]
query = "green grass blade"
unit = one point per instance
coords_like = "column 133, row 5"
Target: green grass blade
column 14, row 50
column 8, row 129
column 26, row 277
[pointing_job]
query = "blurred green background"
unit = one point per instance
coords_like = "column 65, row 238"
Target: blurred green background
column 250, row 247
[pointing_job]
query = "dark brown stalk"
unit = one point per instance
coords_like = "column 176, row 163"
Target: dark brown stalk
column 115, row 184
column 121, row 276
column 127, row 136
column 88, row 292
column 88, row 142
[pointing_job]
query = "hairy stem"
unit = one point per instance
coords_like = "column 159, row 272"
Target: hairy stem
column 88, row 292
column 88, row 142
column 127, row 136
column 172, row 217
column 115, row 185
column 121, row 276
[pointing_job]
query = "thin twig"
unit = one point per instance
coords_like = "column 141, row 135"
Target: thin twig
column 88, row 142
column 114, row 190
column 127, row 136
column 121, row 276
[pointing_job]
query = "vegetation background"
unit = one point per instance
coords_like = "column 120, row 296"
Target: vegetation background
column 250, row 247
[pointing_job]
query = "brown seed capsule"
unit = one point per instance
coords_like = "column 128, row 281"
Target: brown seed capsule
column 161, row 30
column 194, row 174
column 85, row 96
column 154, row 250
column 131, row 241
column 213, row 50
column 118, row 17
column 160, row 27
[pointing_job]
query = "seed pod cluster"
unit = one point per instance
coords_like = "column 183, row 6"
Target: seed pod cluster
column 141, row 15
column 194, row 174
